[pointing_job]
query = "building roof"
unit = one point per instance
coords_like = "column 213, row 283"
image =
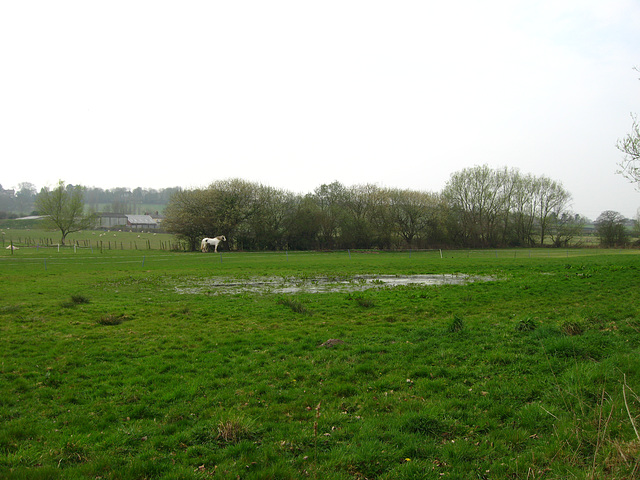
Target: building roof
column 141, row 220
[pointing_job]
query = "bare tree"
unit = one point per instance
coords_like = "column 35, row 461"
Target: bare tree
column 565, row 227
column 476, row 197
column 630, row 146
column 552, row 201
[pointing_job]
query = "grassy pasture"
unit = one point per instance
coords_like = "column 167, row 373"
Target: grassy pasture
column 110, row 370
column 121, row 239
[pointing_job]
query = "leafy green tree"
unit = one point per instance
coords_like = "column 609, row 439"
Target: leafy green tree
column 265, row 226
column 64, row 208
column 302, row 225
column 611, row 229
column 414, row 213
column 229, row 206
column 25, row 197
column 330, row 199
column 359, row 205
column 221, row 209
column 186, row 216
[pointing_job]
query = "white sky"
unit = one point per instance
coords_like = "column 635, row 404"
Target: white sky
column 294, row 94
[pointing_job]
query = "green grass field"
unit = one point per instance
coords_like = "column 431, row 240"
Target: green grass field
column 100, row 241
column 128, row 364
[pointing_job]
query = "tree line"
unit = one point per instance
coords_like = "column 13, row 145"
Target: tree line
column 22, row 201
column 479, row 207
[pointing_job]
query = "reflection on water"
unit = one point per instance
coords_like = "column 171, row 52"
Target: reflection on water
column 216, row 286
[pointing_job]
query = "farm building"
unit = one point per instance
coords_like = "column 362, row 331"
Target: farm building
column 112, row 220
column 136, row 222
column 141, row 222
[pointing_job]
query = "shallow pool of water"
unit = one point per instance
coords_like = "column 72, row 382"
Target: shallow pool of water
column 280, row 285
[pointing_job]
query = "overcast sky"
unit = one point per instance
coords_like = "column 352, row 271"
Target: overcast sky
column 294, row 94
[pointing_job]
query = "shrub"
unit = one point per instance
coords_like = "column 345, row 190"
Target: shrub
column 75, row 300
column 457, row 324
column 235, row 430
column 572, row 327
column 295, row 305
column 527, row 324
column 79, row 299
column 112, row 319
column 364, row 302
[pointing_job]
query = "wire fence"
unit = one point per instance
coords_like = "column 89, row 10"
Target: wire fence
column 99, row 244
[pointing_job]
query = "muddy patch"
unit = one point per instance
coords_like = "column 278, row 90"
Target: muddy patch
column 282, row 285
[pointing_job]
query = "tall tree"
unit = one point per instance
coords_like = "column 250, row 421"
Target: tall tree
column 265, row 227
column 221, row 209
column 413, row 212
column 475, row 196
column 630, row 147
column 64, row 208
column 611, row 229
column 186, row 216
column 552, row 200
column 302, row 225
column 565, row 227
column 359, row 204
column 330, row 200
column 524, row 206
column 25, row 197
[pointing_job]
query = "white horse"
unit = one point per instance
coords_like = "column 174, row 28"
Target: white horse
column 204, row 245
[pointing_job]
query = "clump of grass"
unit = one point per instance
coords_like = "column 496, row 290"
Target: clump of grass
column 79, row 299
column 112, row 319
column 75, row 300
column 526, row 324
column 572, row 327
column 456, row 325
column 295, row 305
column 364, row 302
column 235, row 430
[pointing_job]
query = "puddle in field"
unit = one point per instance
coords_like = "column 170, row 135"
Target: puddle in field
column 279, row 285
